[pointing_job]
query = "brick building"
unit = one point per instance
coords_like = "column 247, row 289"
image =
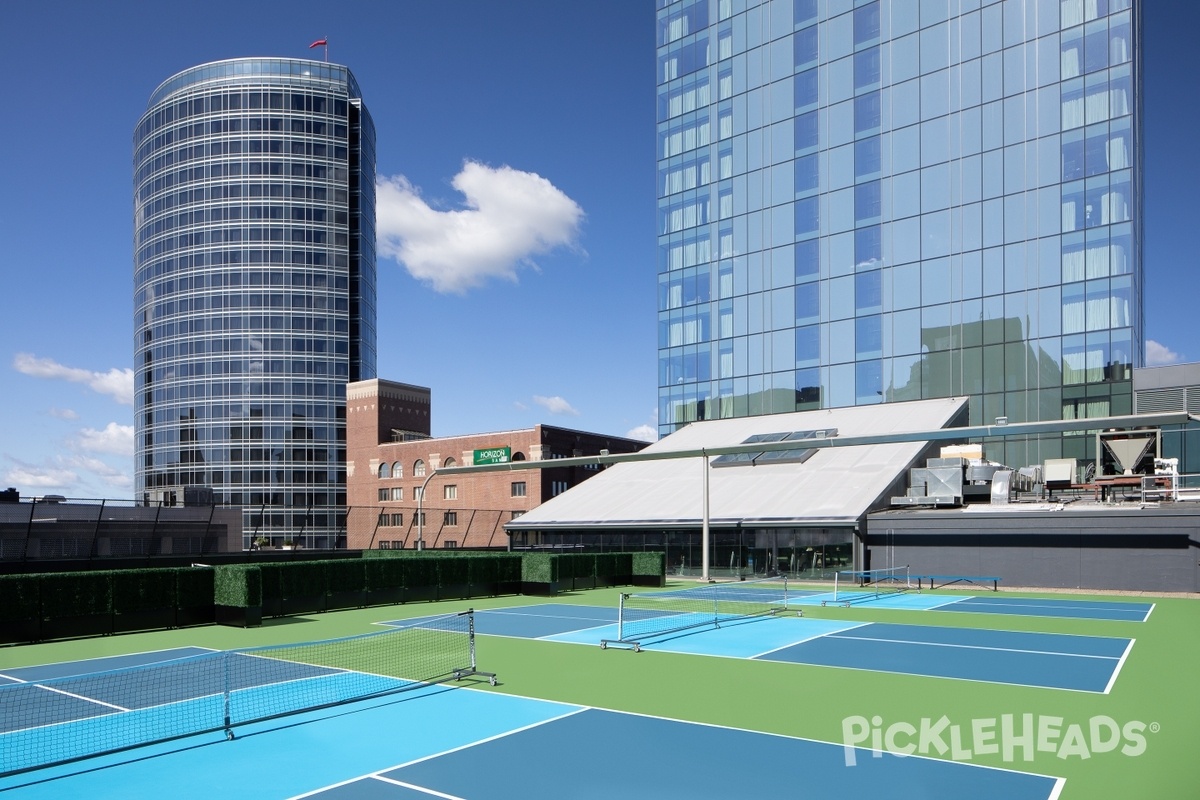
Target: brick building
column 389, row 457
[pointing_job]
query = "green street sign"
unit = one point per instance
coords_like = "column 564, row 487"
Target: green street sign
column 492, row 455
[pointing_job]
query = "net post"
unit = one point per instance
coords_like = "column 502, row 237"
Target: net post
column 621, row 616
column 835, row 586
column 471, row 635
column 225, row 693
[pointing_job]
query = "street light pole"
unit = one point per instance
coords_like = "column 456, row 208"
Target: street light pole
column 420, row 512
column 704, row 549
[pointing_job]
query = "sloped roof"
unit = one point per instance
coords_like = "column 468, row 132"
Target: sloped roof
column 835, row 486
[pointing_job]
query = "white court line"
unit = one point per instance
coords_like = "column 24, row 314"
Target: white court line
column 415, row 788
column 549, row 616
column 1149, row 611
column 505, row 612
column 1055, row 791
column 987, row 602
column 1117, row 669
column 972, row 647
column 469, row 745
column 1039, row 613
column 81, row 697
column 949, row 602
column 808, row 639
column 94, row 671
column 942, row 678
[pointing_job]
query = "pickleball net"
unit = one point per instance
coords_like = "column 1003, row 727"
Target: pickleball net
column 864, row 585
column 650, row 615
column 61, row 720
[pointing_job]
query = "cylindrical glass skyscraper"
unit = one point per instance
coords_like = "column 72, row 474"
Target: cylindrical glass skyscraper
column 254, row 289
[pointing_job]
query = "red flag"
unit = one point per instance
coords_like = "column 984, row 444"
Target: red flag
column 318, row 43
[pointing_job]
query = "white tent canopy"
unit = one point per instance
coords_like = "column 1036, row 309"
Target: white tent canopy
column 834, row 486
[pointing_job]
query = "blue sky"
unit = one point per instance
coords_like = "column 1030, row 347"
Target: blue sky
column 546, row 105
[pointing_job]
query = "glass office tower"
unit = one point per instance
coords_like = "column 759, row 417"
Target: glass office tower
column 254, row 281
column 865, row 201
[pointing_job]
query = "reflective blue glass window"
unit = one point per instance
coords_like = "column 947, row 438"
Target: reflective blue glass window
column 803, row 11
column 807, row 216
column 867, row 113
column 868, row 291
column 868, row 336
column 808, row 346
column 804, row 48
column 866, row 23
column 1095, row 46
column 867, row 157
column 867, row 201
column 808, row 259
column 866, row 68
column 808, row 389
column 805, row 89
column 868, row 247
column 807, row 174
column 868, row 381
column 806, row 132
column 1073, row 155
column 808, row 304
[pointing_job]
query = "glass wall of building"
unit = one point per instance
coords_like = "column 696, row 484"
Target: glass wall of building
column 865, row 201
column 254, row 281
column 800, row 553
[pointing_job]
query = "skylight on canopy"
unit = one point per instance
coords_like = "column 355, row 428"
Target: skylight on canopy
column 787, row 456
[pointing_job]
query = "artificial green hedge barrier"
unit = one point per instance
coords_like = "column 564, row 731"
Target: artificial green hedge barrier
column 648, row 569
column 238, row 585
column 76, row 594
column 20, row 597
column 194, row 587
column 237, row 596
column 20, row 608
column 41, row 606
column 539, row 568
column 142, row 590
column 551, row 573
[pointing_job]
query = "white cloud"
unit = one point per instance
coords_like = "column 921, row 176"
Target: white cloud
column 555, row 405
column 508, row 216
column 643, row 433
column 116, row 383
column 519, row 406
column 646, row 432
column 28, row 475
column 63, row 413
column 72, row 475
column 1158, row 355
column 108, row 474
column 115, row 439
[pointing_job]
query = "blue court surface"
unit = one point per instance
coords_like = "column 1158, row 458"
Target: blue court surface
column 466, row 743
column 1045, row 660
column 64, row 669
column 1116, row 610
column 1051, row 607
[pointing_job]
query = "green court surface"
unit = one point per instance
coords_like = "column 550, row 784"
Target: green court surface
column 1137, row 741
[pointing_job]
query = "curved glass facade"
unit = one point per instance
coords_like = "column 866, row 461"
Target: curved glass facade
column 254, row 288
column 863, row 201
